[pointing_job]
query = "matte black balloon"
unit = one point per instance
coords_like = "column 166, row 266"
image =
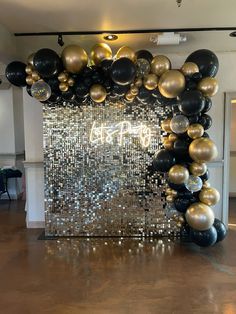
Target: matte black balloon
column 123, row 71
column 68, row 95
column 15, row 73
column 206, row 60
column 193, row 119
column 196, row 77
column 205, row 134
column 205, row 121
column 54, row 84
column 204, row 238
column 47, row 63
column 163, row 160
column 28, row 89
column 144, row 54
column 191, row 102
column 182, row 203
column 208, row 105
column 191, row 85
column 181, row 147
column 54, row 98
column 81, row 90
column 220, row 229
column 177, row 187
column 205, row 176
column 120, row 90
column 143, row 93
column 106, row 65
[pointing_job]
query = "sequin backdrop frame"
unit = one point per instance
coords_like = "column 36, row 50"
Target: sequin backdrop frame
column 107, row 196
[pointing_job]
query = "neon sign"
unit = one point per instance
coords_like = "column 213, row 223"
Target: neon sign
column 119, row 132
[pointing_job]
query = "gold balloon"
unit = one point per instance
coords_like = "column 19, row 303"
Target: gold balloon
column 172, row 137
column 98, row 93
column 171, row 83
column 150, row 81
column 74, row 58
column 138, row 82
column 178, row 174
column 63, row 86
column 29, row 80
column 160, row 64
column 29, row 69
column 63, row 77
column 35, row 76
column 203, row 150
column 200, row 216
column 198, row 169
column 168, row 144
column 208, row 86
column 165, row 125
column 129, row 96
column 195, row 131
column 206, row 184
column 170, row 198
column 134, row 90
column 126, row 52
column 30, row 59
column 100, row 52
column 189, row 68
column 71, row 81
column 209, row 196
column 170, row 191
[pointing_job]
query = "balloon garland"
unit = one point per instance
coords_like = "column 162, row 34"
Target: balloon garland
column 131, row 77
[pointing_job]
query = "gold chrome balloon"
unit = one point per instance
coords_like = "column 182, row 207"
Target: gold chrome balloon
column 129, row 96
column 189, row 68
column 195, row 130
column 134, row 90
column 168, row 144
column 171, row 84
column 209, row 196
column 150, row 81
column 126, row 52
column 199, row 216
column 178, row 174
column 98, row 93
column 160, row 64
column 100, row 52
column 35, row 76
column 29, row 80
column 203, row 150
column 29, row 69
column 165, row 125
column 198, row 169
column 30, row 59
column 208, row 86
column 74, row 58
column 71, row 81
column 171, row 192
column 63, row 86
column 170, row 198
column 172, row 137
column 206, row 184
column 63, row 77
column 138, row 82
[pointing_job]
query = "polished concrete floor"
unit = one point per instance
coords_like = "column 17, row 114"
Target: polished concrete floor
column 72, row 276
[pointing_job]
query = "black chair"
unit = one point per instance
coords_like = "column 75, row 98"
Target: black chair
column 5, row 174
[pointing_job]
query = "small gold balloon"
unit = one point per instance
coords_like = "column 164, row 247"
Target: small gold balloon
column 98, row 93
column 129, row 96
column 165, row 125
column 200, row 216
column 203, row 150
column 63, row 77
column 29, row 69
column 29, row 80
column 189, row 68
column 138, row 82
column 63, row 86
column 178, row 174
column 74, row 58
column 179, row 224
column 134, row 90
column 209, row 196
column 172, row 137
column 100, row 52
column 35, row 76
column 126, row 52
column 150, row 81
column 181, row 219
column 195, row 130
column 30, row 59
column 208, row 86
column 168, row 144
column 160, row 64
column 170, row 198
column 71, row 81
column 171, row 83
column 168, row 191
column 198, row 169
column 206, row 184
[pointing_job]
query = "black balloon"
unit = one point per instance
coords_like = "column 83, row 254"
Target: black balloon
column 163, row 160
column 206, row 121
column 220, row 229
column 123, row 71
column 28, row 89
column 81, row 90
column 208, row 104
column 193, row 119
column 144, row 54
column 120, row 90
column 54, row 84
column 196, row 77
column 191, row 85
column 191, row 102
column 181, row 147
column 178, row 187
column 143, row 94
column 68, row 95
column 206, row 60
column 205, row 176
column 205, row 134
column 15, row 73
column 182, row 203
column 106, row 65
column 204, row 238
column 47, row 63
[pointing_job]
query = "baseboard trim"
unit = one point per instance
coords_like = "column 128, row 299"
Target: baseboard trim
column 35, row 224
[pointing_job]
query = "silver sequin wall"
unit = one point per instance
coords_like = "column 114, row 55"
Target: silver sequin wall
column 97, row 171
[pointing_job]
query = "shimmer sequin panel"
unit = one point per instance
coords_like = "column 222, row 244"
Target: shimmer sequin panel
column 97, row 171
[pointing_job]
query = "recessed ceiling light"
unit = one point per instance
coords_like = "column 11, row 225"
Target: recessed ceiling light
column 110, row 37
column 233, row 34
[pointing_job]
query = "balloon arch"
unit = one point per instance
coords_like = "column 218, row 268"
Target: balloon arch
column 75, row 80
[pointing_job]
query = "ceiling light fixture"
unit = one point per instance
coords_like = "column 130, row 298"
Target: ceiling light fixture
column 179, row 2
column 233, row 34
column 168, row 39
column 110, row 37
